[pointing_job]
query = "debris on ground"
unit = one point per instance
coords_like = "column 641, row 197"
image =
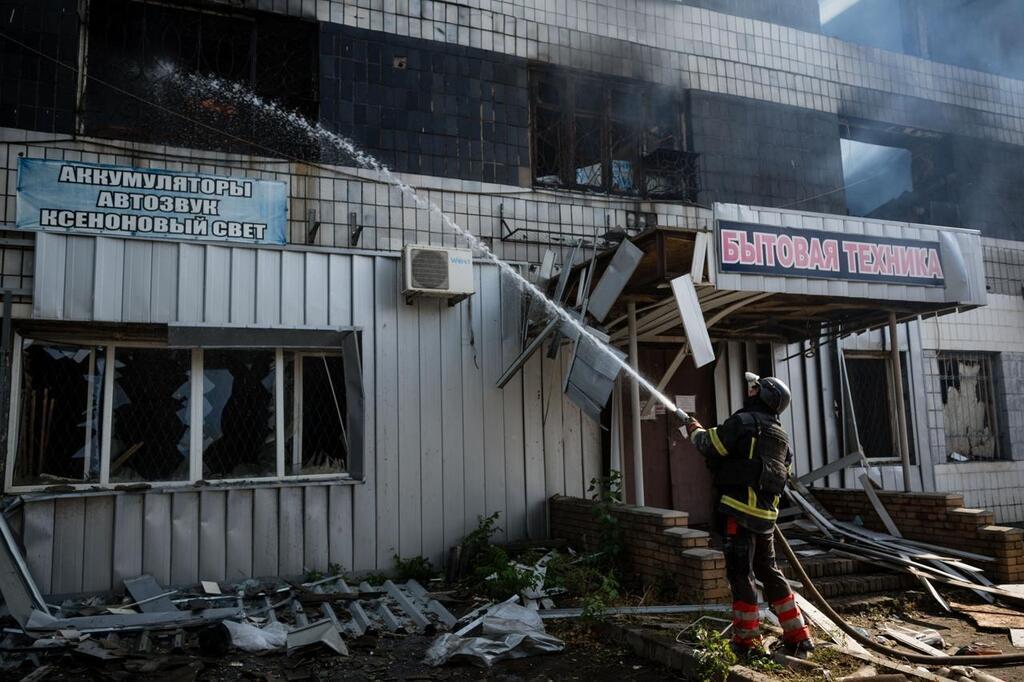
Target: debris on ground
column 505, row 630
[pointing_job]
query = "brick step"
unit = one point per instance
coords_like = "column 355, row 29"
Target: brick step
column 862, row 583
column 823, row 566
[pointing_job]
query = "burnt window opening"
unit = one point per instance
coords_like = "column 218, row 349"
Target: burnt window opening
column 969, row 413
column 874, row 405
column 898, row 173
column 618, row 137
column 149, row 49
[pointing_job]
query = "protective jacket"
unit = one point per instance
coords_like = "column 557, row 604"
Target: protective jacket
column 750, row 460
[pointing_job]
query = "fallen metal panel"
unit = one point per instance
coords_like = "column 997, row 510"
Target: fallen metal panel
column 408, row 607
column 880, row 509
column 19, row 590
column 143, row 590
column 613, row 281
column 133, row 621
column 831, row 468
column 693, row 320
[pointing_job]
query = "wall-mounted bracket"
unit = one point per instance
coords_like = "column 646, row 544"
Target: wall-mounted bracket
column 354, row 231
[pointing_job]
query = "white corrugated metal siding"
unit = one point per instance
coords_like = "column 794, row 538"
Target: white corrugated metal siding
column 443, row 444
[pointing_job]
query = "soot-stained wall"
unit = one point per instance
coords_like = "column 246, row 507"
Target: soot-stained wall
column 988, row 180
column 427, row 107
column 35, row 92
column 762, row 154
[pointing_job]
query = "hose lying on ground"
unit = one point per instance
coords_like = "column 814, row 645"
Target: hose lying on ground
column 868, row 642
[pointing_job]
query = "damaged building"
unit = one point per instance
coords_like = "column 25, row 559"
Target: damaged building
column 253, row 383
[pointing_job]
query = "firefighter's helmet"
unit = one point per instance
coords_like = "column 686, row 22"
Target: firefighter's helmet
column 774, row 393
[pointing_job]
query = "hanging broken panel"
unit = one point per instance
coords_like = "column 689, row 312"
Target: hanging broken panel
column 591, row 376
column 613, row 281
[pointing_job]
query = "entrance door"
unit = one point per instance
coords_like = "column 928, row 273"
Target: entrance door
column 675, row 476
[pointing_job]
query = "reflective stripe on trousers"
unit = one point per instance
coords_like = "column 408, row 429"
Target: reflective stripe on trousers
column 794, row 628
column 746, row 624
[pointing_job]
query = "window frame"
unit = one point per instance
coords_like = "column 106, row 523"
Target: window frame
column 992, row 404
column 195, row 480
column 606, row 119
column 890, row 398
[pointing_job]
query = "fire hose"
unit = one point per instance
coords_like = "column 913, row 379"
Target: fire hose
column 868, row 642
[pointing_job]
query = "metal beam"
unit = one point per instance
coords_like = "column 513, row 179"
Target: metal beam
column 901, row 410
column 634, row 397
column 530, row 349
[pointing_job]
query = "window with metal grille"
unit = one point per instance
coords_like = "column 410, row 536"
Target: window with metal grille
column 149, row 49
column 151, row 419
column 239, row 414
column 968, row 405
column 612, row 136
column 874, row 405
column 88, row 415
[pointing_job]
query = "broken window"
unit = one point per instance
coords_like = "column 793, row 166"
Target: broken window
column 898, row 173
column 319, row 443
column 151, row 414
column 151, row 49
column 239, row 417
column 968, row 406
column 263, row 412
column 59, row 431
column 874, row 405
column 613, row 136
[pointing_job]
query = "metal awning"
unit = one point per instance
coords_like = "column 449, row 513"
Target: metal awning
column 847, row 275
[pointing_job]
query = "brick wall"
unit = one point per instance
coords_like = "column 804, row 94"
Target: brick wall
column 35, row 93
column 940, row 519
column 766, row 154
column 658, row 546
column 423, row 106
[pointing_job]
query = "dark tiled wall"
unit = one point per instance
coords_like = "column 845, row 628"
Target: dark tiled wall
column 766, row 154
column 801, row 14
column 451, row 111
column 989, row 177
column 36, row 93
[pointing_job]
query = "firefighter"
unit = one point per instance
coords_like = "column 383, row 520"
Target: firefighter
column 750, row 459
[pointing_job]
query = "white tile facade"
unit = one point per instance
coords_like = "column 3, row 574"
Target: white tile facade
column 997, row 486
column 676, row 44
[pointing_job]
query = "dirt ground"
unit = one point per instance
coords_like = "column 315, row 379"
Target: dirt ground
column 389, row 657
column 386, row 659
column 915, row 610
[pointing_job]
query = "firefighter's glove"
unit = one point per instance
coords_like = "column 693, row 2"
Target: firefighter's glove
column 689, row 427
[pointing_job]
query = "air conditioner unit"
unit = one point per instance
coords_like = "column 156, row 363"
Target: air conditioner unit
column 437, row 271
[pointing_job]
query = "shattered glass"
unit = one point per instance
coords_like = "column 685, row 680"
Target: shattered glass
column 322, row 429
column 239, row 418
column 59, row 414
column 151, row 419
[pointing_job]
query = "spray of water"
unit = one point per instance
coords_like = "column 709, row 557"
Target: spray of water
column 241, row 95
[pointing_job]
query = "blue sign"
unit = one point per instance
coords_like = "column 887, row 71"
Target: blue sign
column 91, row 198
